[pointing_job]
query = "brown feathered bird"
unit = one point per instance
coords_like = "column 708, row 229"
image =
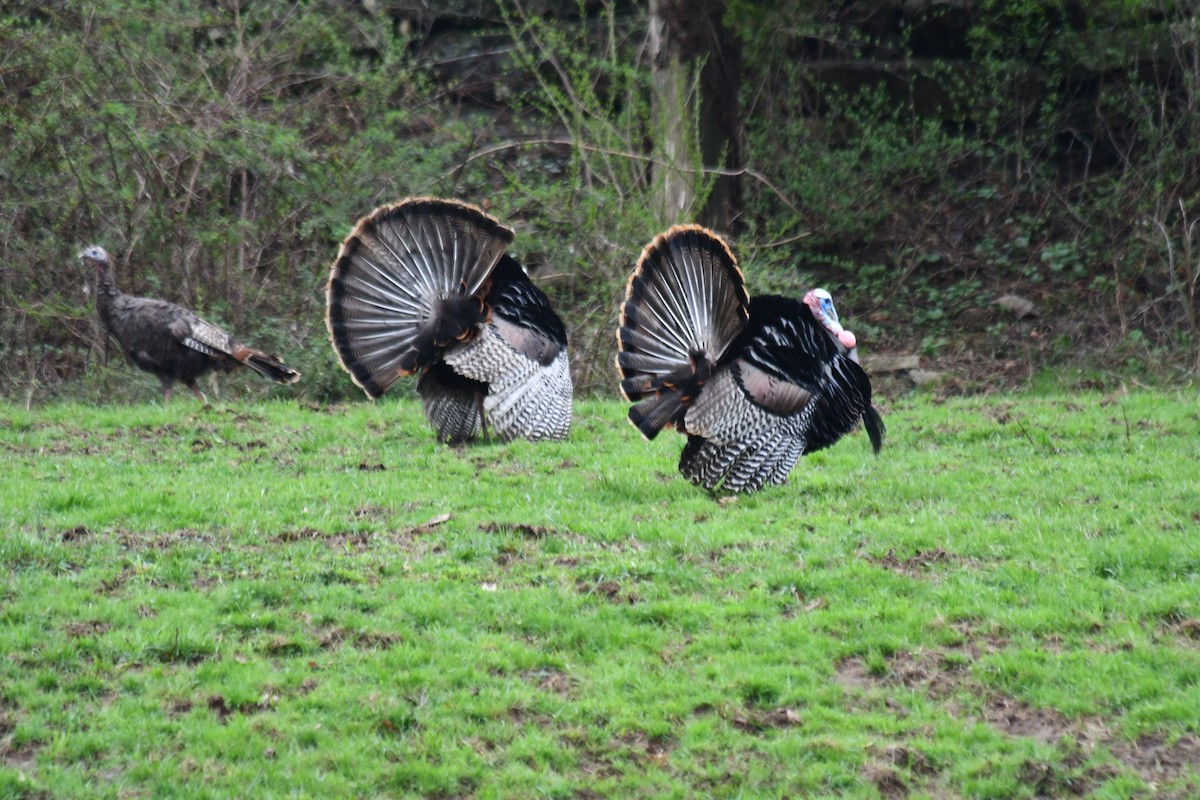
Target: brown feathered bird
column 170, row 341
column 753, row 384
column 425, row 287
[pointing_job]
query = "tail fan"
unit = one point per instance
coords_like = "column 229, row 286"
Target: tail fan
column 685, row 303
column 407, row 281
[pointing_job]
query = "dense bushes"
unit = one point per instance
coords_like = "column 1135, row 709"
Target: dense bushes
column 944, row 153
column 932, row 154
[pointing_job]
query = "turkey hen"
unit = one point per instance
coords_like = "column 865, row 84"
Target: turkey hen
column 754, row 385
column 170, row 341
column 424, row 286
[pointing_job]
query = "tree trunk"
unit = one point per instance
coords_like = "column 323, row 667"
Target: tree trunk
column 696, row 66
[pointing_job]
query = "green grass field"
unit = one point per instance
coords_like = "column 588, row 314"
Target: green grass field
column 283, row 600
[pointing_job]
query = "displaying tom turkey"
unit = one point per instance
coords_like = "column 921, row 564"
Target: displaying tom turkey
column 170, row 341
column 753, row 384
column 425, row 287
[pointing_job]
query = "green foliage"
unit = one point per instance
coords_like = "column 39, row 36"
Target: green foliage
column 220, row 153
column 273, row 599
column 1011, row 142
column 919, row 162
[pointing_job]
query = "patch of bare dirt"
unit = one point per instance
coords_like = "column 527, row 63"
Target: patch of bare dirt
column 224, row 710
column 22, row 757
column 369, row 512
column 152, row 540
column 366, row 640
column 927, row 669
column 550, row 680
column 110, row 585
column 339, row 540
column 911, row 759
column 527, row 716
column 1049, row 779
column 942, row 673
column 652, row 749
column 279, row 645
column 76, row 534
column 1158, row 761
column 758, row 721
column 853, row 676
column 1015, row 718
column 919, row 564
column 1188, row 629
column 594, row 760
column 179, row 706
column 79, row 630
column 609, row 590
column 520, row 528
column 885, row 779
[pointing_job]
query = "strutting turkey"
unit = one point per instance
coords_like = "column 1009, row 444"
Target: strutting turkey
column 425, row 286
column 170, row 341
column 753, row 385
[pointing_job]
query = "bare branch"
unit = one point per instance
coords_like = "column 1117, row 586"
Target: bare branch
column 747, row 171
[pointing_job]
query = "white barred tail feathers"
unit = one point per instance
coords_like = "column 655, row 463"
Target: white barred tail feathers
column 685, row 304
column 402, row 279
column 425, row 286
column 754, row 385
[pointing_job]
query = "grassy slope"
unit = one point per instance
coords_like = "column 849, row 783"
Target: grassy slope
column 278, row 599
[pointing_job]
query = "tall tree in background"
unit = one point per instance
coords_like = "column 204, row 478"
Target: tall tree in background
column 697, row 64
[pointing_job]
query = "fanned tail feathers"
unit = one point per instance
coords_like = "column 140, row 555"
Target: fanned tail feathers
column 405, row 281
column 685, row 303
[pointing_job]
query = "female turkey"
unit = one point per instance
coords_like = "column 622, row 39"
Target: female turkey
column 425, row 287
column 754, row 385
column 168, row 340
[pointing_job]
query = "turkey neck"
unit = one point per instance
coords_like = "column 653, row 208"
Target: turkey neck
column 106, row 292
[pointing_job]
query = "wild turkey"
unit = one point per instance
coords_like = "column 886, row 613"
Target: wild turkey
column 425, row 286
column 753, row 385
column 168, row 340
